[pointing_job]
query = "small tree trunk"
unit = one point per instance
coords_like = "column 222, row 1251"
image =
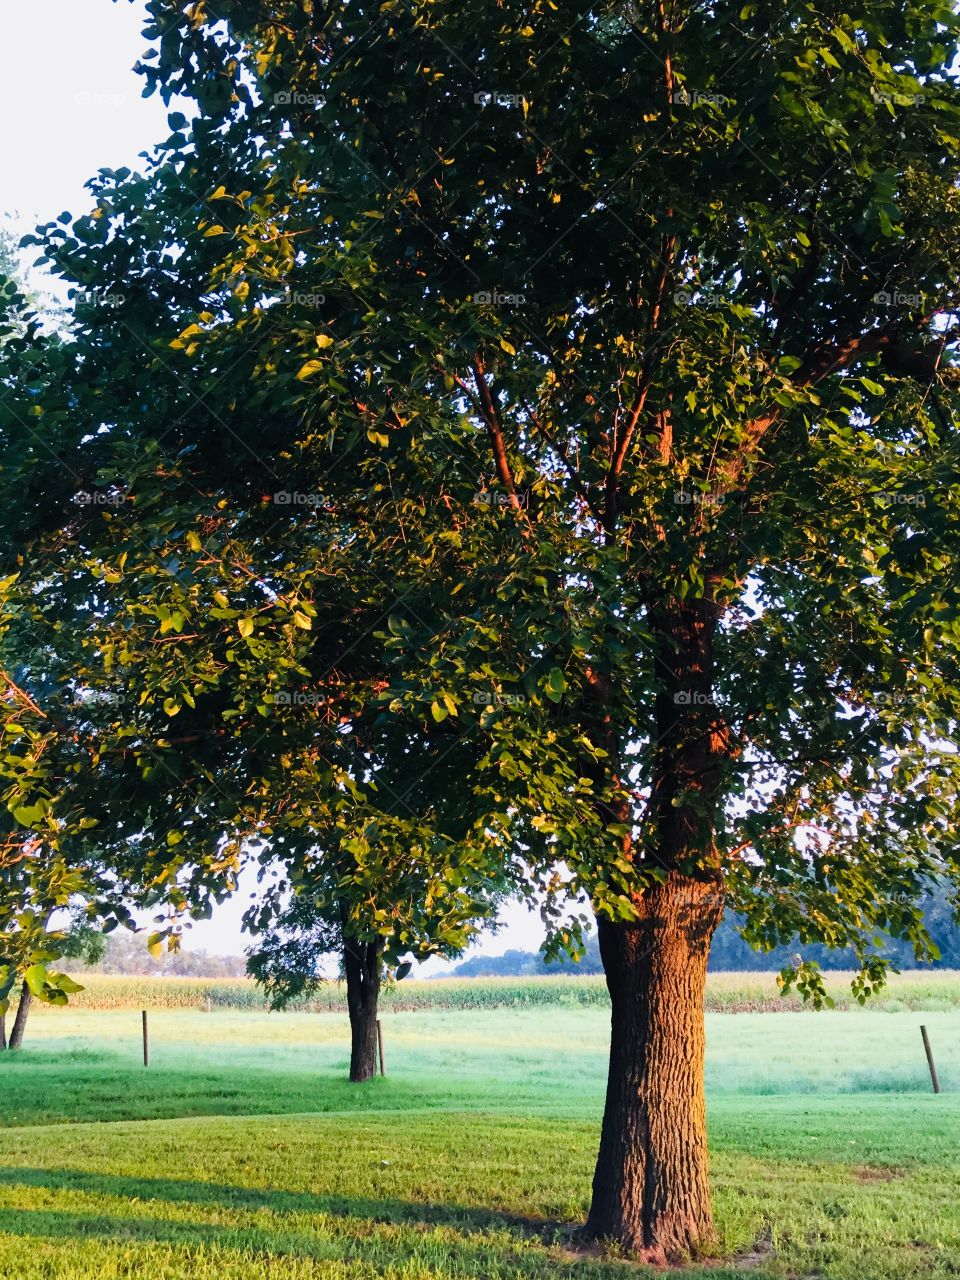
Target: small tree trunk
column 3, row 1031
column 20, row 1021
column 361, row 963
column 650, row 1191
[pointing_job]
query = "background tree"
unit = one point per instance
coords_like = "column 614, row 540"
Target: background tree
column 672, row 289
column 292, row 944
column 317, row 906
column 239, row 715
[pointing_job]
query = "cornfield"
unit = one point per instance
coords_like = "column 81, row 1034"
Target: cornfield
column 726, row 993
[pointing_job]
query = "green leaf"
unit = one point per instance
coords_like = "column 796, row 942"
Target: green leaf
column 556, row 685
column 28, row 814
column 245, row 626
column 36, row 979
column 65, row 984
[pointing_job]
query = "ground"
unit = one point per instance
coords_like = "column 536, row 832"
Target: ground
column 241, row 1152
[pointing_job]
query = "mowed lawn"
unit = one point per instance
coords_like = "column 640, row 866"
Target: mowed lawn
column 242, row 1152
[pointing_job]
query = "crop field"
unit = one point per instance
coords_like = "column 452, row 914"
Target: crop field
column 242, row 1152
column 726, row 993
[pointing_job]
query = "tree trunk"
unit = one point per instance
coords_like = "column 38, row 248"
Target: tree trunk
column 20, row 1021
column 3, row 1031
column 650, row 1191
column 361, row 964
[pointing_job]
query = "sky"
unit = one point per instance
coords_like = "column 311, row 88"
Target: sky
column 73, row 104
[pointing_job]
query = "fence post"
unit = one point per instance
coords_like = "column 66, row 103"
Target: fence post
column 929, row 1052
column 146, row 1042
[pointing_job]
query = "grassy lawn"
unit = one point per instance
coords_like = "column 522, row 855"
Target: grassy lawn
column 241, row 1152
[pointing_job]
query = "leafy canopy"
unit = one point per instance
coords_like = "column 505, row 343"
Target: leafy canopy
column 606, row 360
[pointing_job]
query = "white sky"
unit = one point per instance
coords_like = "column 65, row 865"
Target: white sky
column 71, row 101
column 72, row 105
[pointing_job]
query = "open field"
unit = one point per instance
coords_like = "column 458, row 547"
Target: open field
column 242, row 1152
column 726, row 992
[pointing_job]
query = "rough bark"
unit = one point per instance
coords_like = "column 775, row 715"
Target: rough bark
column 651, row 1191
column 361, row 963
column 20, row 1021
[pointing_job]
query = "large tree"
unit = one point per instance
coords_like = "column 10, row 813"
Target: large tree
column 621, row 341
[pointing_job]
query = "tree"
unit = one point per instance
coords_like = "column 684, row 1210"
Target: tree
column 77, row 940
column 317, row 906
column 671, row 291
column 56, row 897
column 229, row 718
column 287, row 959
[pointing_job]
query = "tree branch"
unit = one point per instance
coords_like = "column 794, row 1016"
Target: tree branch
column 490, row 416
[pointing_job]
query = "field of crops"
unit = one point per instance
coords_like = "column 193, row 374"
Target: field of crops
column 726, row 993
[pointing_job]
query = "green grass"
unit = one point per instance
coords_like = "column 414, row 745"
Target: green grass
column 242, row 1152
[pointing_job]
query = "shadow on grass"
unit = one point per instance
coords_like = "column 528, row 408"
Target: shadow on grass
column 474, row 1255
column 250, row 1199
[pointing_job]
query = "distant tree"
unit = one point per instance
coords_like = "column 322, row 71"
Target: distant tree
column 730, row 950
column 125, row 952
column 314, row 910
